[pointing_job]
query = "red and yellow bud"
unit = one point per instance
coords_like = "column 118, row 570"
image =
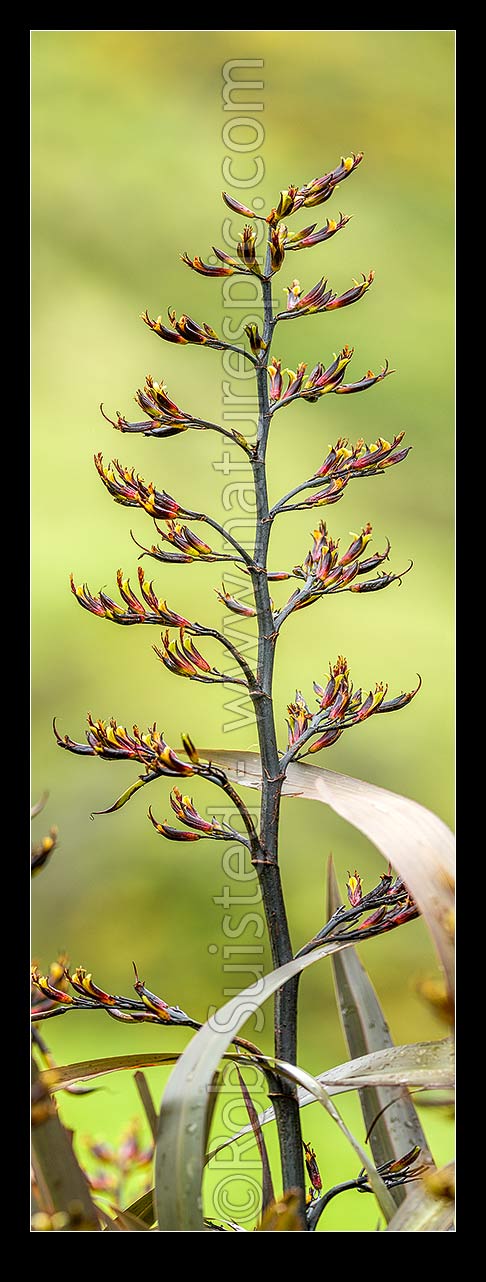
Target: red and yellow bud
column 168, row 1014
column 276, row 380
column 351, row 295
column 295, row 381
column 372, row 703
column 325, row 741
column 150, row 1000
column 173, row 834
column 292, row 238
column 338, row 455
column 293, row 292
column 326, row 694
column 184, row 330
column 190, row 546
column 324, row 573
column 184, row 659
column 323, row 380
column 135, row 611
column 237, row 207
column 155, row 401
column 321, row 189
column 191, row 749
column 354, row 889
column 113, row 743
column 361, row 460
column 229, row 261
column 53, row 994
column 309, row 237
column 277, row 247
column 206, row 269
column 340, row 708
column 357, row 547
column 231, row 603
column 400, row 701
column 246, row 250
column 126, row 487
column 288, row 203
column 312, row 1167
column 340, row 702
column 185, row 810
column 255, row 339
column 300, row 304
column 368, row 380
column 122, row 488
column 332, row 494
column 299, row 718
column 83, row 984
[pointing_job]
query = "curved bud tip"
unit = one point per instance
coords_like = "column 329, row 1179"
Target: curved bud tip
column 236, row 206
column 190, row 749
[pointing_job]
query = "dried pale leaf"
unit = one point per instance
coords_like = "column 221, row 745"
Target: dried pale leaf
column 426, row 1065
column 414, row 840
column 64, row 1075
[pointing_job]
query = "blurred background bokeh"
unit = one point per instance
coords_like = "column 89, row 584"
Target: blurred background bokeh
column 127, row 155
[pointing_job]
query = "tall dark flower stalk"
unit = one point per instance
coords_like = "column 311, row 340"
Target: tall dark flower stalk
column 324, row 571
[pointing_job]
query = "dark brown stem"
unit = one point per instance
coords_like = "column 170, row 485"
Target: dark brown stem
column 202, row 516
column 313, row 483
column 285, row 1102
column 218, row 777
column 202, row 631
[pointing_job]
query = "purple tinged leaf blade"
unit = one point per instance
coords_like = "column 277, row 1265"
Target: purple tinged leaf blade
column 268, row 1193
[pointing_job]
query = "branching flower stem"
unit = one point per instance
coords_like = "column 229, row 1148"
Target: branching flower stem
column 200, row 423
column 201, row 516
column 285, row 1103
column 313, row 483
column 218, row 777
column 201, row 631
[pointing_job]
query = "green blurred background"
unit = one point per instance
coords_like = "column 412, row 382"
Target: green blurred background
column 127, row 156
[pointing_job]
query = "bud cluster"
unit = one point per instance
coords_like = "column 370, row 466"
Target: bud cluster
column 88, row 996
column 391, row 905
column 339, row 708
